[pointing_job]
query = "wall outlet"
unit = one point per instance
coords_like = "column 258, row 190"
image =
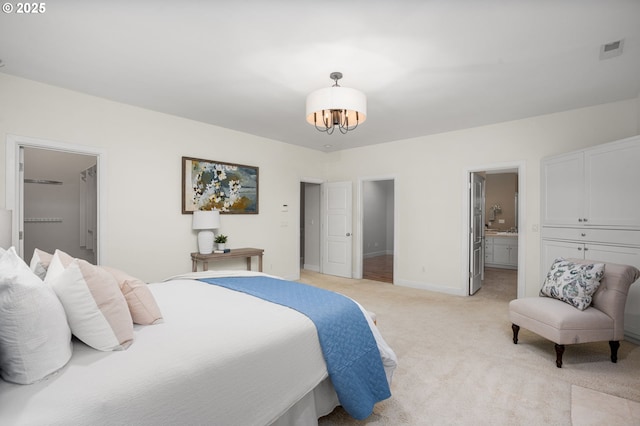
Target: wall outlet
column 500, row 220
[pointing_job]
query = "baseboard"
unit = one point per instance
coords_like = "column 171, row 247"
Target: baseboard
column 314, row 268
column 632, row 337
column 430, row 287
column 377, row 253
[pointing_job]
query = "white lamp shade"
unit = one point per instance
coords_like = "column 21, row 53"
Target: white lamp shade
column 336, row 98
column 5, row 228
column 206, row 219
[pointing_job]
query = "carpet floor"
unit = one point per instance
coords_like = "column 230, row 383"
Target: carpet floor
column 457, row 364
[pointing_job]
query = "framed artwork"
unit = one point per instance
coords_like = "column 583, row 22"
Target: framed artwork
column 229, row 188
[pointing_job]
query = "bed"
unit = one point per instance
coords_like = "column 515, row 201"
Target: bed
column 220, row 356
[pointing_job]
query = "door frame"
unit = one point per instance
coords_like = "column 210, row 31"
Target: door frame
column 359, row 241
column 12, row 194
column 466, row 220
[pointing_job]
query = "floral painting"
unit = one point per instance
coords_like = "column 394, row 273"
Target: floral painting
column 208, row 185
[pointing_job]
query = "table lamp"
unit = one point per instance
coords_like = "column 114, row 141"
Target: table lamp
column 206, row 221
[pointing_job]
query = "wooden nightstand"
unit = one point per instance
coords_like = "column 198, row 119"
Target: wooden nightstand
column 247, row 253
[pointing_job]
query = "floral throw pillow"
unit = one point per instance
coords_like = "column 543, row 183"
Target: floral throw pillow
column 573, row 283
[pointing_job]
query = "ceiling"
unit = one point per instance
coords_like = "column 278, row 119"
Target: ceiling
column 426, row 66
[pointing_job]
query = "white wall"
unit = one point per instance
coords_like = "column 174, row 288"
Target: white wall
column 430, row 183
column 143, row 173
column 144, row 150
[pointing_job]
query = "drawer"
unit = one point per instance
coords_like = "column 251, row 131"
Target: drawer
column 595, row 235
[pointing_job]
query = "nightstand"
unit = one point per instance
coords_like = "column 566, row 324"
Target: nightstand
column 247, row 253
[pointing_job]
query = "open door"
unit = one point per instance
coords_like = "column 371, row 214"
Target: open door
column 476, row 233
column 336, row 239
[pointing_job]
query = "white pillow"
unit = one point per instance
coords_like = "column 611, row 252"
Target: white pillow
column 96, row 309
column 40, row 262
column 35, row 339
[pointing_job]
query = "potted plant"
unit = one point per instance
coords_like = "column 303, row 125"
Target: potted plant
column 221, row 239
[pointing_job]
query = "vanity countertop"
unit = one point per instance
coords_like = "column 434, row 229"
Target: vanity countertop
column 500, row 234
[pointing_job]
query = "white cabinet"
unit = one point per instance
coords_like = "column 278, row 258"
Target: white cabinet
column 552, row 249
column 593, row 187
column 501, row 252
column 590, row 209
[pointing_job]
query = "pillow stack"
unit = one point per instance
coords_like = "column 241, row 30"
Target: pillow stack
column 96, row 309
column 44, row 303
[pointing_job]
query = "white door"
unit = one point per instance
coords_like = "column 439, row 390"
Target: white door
column 336, row 228
column 476, row 233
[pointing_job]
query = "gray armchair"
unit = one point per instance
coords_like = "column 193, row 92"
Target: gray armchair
column 564, row 324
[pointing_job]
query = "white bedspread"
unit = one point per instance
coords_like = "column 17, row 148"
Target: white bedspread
column 220, row 358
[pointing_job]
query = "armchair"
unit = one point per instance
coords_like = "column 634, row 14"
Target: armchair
column 565, row 324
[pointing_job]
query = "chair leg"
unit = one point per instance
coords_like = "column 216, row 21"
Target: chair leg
column 614, row 345
column 516, row 329
column 559, row 352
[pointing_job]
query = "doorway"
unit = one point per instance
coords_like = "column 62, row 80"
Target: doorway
column 310, row 226
column 378, row 229
column 56, row 192
column 59, row 203
column 502, row 236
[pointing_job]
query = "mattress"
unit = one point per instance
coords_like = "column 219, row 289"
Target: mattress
column 220, row 357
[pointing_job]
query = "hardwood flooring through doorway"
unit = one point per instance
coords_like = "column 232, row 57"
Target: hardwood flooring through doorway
column 498, row 283
column 378, row 268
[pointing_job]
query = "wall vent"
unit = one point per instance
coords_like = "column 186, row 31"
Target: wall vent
column 611, row 50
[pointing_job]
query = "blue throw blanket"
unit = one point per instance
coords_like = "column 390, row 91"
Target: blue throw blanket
column 349, row 348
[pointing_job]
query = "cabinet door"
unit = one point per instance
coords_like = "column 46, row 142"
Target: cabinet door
column 551, row 250
column 611, row 187
column 501, row 254
column 563, row 190
column 513, row 254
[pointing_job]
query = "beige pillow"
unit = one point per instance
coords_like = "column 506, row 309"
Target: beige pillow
column 142, row 305
column 96, row 309
column 40, row 263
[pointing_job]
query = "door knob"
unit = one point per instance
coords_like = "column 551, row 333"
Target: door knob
column 348, row 234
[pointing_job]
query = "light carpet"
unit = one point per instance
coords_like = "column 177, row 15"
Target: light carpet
column 458, row 364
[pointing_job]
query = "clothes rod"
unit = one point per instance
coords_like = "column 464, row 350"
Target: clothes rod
column 43, row 181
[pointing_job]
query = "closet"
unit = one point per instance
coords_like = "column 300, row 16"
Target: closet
column 591, row 210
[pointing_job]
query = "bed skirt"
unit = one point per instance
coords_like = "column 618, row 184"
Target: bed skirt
column 321, row 401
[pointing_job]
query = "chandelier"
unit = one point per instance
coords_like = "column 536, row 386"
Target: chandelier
column 336, row 107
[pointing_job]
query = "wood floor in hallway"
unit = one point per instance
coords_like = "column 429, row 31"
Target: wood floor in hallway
column 500, row 282
column 378, row 268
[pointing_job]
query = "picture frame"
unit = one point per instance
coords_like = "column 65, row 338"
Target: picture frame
column 227, row 187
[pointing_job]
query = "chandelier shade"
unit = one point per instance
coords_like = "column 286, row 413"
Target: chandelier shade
column 336, row 107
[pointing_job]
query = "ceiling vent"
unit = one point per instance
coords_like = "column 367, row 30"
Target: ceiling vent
column 611, row 50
